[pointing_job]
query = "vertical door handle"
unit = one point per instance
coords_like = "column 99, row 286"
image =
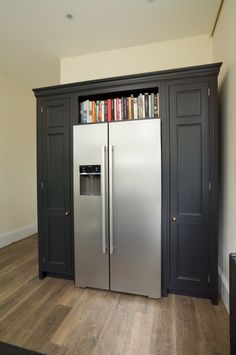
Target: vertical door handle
column 111, row 198
column 103, row 193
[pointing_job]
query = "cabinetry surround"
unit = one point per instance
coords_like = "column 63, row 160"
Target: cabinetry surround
column 163, row 81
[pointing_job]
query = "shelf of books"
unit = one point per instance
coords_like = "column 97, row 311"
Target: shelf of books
column 131, row 107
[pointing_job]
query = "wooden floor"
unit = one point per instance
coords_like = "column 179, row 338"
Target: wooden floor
column 52, row 316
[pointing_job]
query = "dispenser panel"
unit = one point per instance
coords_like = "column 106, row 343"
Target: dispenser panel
column 90, row 180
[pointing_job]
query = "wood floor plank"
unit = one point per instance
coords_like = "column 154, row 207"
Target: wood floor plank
column 14, row 299
column 12, row 282
column 56, row 318
column 163, row 336
column 214, row 328
column 71, row 296
column 186, row 326
column 45, row 328
column 115, row 332
column 17, row 323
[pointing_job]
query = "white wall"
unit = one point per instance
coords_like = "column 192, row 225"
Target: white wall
column 151, row 57
column 17, row 161
column 224, row 49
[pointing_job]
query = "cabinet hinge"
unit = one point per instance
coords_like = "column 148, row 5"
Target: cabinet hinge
column 209, row 92
column 43, row 259
column 41, row 109
column 209, row 279
column 42, row 185
column 209, row 186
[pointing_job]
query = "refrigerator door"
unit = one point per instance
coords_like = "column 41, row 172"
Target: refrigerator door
column 135, row 207
column 90, row 206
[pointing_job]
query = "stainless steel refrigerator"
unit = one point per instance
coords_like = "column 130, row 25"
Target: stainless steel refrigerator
column 117, row 206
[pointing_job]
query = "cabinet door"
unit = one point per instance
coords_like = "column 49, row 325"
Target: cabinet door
column 189, row 202
column 56, row 201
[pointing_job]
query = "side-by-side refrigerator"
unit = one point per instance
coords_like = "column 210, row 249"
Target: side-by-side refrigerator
column 117, row 206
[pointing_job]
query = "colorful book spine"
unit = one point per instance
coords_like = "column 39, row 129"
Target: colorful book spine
column 146, row 105
column 85, row 112
column 127, row 108
column 155, row 106
column 135, row 103
column 143, row 106
column 124, row 108
column 112, row 110
column 102, row 111
column 109, row 110
column 97, row 111
column 120, row 113
column 130, row 107
column 149, row 106
column 152, row 104
column 117, row 109
column 93, row 112
column 105, row 111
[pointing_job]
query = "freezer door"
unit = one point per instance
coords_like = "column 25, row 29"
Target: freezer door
column 135, row 207
column 90, row 206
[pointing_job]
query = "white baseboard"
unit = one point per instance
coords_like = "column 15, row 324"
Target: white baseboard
column 17, row 234
column 224, row 288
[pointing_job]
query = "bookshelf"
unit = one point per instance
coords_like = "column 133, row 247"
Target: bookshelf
column 119, row 107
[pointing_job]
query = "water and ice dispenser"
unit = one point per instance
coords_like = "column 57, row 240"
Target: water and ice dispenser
column 90, row 179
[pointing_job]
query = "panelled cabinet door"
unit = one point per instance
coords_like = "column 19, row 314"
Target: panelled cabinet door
column 189, row 202
column 56, row 215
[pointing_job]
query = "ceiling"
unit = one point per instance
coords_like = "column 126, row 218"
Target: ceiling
column 34, row 34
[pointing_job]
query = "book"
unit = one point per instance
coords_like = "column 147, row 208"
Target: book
column 117, row 109
column 102, row 111
column 158, row 105
column 152, row 104
column 122, row 108
column 155, row 105
column 105, row 111
column 132, row 107
column 135, row 104
column 112, row 110
column 109, row 110
column 84, row 112
column 97, row 111
column 139, row 106
column 143, row 106
column 146, row 105
column 120, row 112
column 129, row 108
column 149, row 106
column 93, row 112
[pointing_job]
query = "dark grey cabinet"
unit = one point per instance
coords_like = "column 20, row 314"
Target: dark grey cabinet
column 189, row 125
column 189, row 192
column 54, row 188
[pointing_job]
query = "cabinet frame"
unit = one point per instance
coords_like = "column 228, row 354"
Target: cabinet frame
column 160, row 79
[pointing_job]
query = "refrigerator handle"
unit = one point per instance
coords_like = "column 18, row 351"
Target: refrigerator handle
column 103, row 190
column 111, row 197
